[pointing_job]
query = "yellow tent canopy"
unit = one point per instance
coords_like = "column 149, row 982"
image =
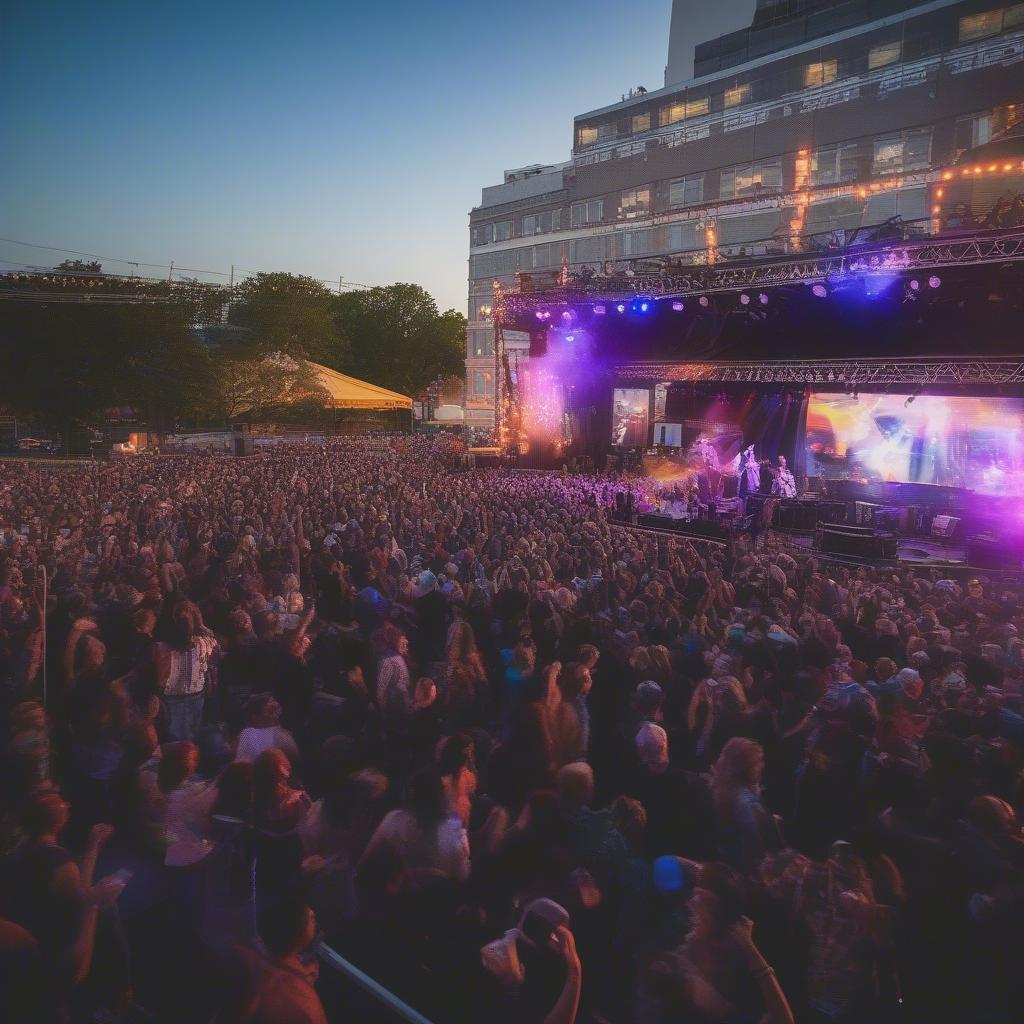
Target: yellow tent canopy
column 349, row 393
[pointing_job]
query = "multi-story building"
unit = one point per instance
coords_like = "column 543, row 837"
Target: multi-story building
column 822, row 118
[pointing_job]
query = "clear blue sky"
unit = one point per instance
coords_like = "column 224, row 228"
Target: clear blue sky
column 321, row 138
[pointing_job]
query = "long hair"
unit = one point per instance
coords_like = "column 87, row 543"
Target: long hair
column 462, row 645
column 739, row 766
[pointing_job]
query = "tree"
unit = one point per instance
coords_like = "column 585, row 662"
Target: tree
column 395, row 337
column 260, row 387
column 79, row 267
column 287, row 313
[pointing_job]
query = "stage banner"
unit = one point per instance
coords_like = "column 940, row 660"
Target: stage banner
column 660, row 402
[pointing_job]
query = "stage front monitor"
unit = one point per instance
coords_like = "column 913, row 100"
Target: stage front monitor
column 630, row 409
column 974, row 443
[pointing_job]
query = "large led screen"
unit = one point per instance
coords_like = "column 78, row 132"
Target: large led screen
column 975, row 443
column 630, row 408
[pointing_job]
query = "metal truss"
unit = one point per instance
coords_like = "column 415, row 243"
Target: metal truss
column 925, row 372
column 995, row 247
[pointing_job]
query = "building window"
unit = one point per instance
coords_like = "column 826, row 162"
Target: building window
column 971, row 131
column 749, row 178
column 502, row 230
column 833, row 164
column 820, row 73
column 607, row 132
column 686, row 191
column 591, row 211
column 884, row 53
column 483, row 384
column 635, row 203
column 980, row 26
column 637, row 243
column 586, row 135
column 740, row 94
column 482, row 343
column 641, row 122
column 908, row 151
column 541, row 223
column 679, row 110
column 1013, row 16
column 483, row 234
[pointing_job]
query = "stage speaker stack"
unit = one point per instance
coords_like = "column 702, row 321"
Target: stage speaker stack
column 862, row 542
column 864, row 512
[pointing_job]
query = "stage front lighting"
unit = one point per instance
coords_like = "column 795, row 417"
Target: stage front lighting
column 744, row 298
column 566, row 314
column 763, row 299
column 644, row 306
column 934, row 281
column 915, row 284
column 600, row 309
column 819, row 291
column 677, row 307
column 620, row 307
column 570, row 337
column 704, row 301
column 543, row 314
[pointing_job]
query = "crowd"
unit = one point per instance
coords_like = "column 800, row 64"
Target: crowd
column 513, row 760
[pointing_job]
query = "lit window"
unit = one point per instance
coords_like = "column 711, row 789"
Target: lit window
column 686, row 191
column 587, row 136
column 882, row 54
column 820, row 73
column 972, row 131
column 641, row 122
column 734, row 97
column 635, row 203
column 672, row 113
column 981, row 26
column 747, row 178
column 694, row 108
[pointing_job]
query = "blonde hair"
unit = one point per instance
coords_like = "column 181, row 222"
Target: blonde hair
column 739, row 766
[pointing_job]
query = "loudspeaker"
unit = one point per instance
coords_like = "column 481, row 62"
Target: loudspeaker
column 243, row 444
column 857, row 541
column 944, row 526
column 987, row 551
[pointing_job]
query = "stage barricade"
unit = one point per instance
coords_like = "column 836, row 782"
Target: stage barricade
column 860, row 542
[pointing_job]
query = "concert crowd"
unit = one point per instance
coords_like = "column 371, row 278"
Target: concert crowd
column 513, row 760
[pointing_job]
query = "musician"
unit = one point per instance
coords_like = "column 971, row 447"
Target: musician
column 783, row 481
column 750, row 482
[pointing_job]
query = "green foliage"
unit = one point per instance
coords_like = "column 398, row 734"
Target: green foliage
column 395, row 337
column 80, row 267
column 257, row 388
column 287, row 313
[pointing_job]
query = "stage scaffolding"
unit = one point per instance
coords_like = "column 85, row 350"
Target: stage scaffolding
column 834, row 374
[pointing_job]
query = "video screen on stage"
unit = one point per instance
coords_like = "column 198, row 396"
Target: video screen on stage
column 630, row 408
column 974, row 443
column 669, row 435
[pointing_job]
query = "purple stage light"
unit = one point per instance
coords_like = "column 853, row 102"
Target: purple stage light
column 934, row 281
column 819, row 291
column 703, row 300
column 677, row 307
column 600, row 309
column 763, row 299
column 620, row 307
column 744, row 299
column 566, row 314
column 915, row 284
column 570, row 337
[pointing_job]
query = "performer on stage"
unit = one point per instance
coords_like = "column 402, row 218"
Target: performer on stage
column 751, row 481
column 783, row 481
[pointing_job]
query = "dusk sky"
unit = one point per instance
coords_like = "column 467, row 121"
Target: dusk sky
column 320, row 138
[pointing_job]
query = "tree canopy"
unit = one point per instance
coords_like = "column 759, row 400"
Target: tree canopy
column 66, row 363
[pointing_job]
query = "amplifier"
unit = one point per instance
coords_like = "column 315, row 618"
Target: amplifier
column 944, row 526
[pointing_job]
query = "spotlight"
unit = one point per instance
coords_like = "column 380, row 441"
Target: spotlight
column 915, row 284
column 703, row 300
column 819, row 291
column 620, row 307
column 570, row 337
column 763, row 299
column 644, row 306
column 600, row 309
column 543, row 314
column 677, row 307
column 566, row 314
column 934, row 281
column 744, row 299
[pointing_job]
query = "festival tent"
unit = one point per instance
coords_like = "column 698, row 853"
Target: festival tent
column 349, row 393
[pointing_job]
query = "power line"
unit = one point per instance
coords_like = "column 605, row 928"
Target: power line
column 141, row 263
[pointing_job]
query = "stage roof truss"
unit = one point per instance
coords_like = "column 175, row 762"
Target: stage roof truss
column 837, row 374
